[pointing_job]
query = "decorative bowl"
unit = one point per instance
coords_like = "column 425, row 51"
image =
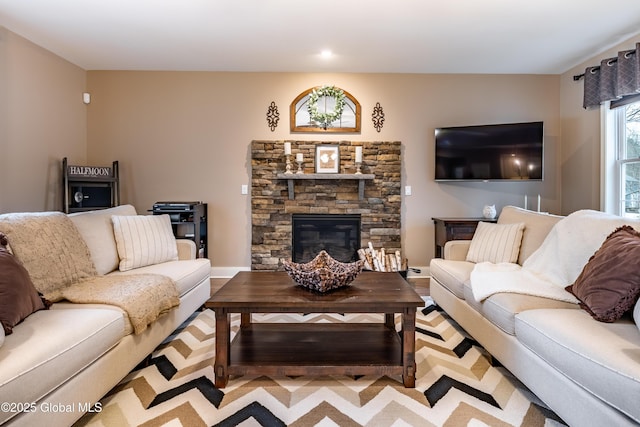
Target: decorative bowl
column 323, row 273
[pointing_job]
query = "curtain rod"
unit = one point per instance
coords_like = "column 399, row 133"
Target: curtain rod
column 579, row 76
column 610, row 61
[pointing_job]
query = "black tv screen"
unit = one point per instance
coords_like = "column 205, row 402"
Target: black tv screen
column 511, row 151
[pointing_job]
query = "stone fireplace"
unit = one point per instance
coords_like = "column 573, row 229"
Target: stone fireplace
column 273, row 205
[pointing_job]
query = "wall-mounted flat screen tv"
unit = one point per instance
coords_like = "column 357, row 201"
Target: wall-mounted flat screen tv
column 512, row 151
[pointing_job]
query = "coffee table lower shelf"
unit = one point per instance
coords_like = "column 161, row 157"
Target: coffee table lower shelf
column 316, row 349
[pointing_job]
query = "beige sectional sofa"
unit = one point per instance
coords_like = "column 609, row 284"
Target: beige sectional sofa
column 587, row 371
column 57, row 363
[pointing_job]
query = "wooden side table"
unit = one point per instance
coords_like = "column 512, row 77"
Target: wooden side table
column 454, row 229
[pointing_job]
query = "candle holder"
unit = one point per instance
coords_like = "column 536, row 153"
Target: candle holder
column 299, row 162
column 288, row 165
column 358, row 159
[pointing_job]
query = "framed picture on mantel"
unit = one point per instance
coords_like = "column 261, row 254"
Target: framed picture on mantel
column 327, row 159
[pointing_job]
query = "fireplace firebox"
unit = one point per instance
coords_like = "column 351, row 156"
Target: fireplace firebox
column 337, row 234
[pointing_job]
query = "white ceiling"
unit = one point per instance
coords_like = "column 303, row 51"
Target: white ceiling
column 401, row 36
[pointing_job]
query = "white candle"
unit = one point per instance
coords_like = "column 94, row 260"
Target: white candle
column 538, row 203
column 298, row 157
column 358, row 154
column 287, row 148
column 525, row 201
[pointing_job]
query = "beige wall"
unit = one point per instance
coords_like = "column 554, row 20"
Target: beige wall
column 186, row 136
column 43, row 120
column 581, row 145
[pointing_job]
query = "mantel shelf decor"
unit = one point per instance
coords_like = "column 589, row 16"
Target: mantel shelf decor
column 361, row 178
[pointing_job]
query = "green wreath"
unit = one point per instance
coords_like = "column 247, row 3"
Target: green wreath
column 326, row 118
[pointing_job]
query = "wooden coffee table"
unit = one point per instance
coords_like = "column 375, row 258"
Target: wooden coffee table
column 315, row 348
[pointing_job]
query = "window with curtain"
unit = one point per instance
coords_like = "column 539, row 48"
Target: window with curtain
column 612, row 80
column 626, row 137
column 620, row 172
column 614, row 86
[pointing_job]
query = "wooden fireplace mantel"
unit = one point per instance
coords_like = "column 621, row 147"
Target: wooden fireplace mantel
column 291, row 177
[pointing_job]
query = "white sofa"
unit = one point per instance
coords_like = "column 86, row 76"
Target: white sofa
column 585, row 370
column 57, row 363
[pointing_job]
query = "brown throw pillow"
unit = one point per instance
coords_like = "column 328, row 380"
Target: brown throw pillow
column 18, row 296
column 609, row 285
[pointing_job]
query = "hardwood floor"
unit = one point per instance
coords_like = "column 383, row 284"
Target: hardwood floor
column 421, row 284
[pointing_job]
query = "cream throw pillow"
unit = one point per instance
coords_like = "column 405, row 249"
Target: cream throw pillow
column 496, row 243
column 144, row 240
column 96, row 229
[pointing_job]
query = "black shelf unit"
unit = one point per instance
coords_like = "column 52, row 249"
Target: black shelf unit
column 188, row 220
column 87, row 188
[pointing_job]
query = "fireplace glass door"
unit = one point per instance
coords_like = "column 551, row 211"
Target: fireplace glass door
column 337, row 234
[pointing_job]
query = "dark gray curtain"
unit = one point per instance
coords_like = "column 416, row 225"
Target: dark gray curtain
column 613, row 79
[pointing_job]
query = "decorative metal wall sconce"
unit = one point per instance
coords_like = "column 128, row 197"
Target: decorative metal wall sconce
column 377, row 117
column 272, row 116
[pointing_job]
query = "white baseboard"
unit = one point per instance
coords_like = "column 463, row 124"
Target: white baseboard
column 424, row 272
column 228, row 272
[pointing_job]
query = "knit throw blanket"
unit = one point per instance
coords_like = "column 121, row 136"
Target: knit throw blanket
column 51, row 248
column 144, row 297
column 556, row 264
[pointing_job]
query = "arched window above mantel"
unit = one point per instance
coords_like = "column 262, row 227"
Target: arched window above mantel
column 301, row 122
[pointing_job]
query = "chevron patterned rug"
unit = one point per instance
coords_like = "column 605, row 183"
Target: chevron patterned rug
column 455, row 386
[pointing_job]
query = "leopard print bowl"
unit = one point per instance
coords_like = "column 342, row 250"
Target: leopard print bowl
column 323, row 273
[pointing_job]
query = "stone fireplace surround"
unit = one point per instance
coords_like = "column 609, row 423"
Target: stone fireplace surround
column 271, row 209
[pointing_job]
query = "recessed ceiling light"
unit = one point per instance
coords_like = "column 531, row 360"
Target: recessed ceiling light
column 326, row 54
